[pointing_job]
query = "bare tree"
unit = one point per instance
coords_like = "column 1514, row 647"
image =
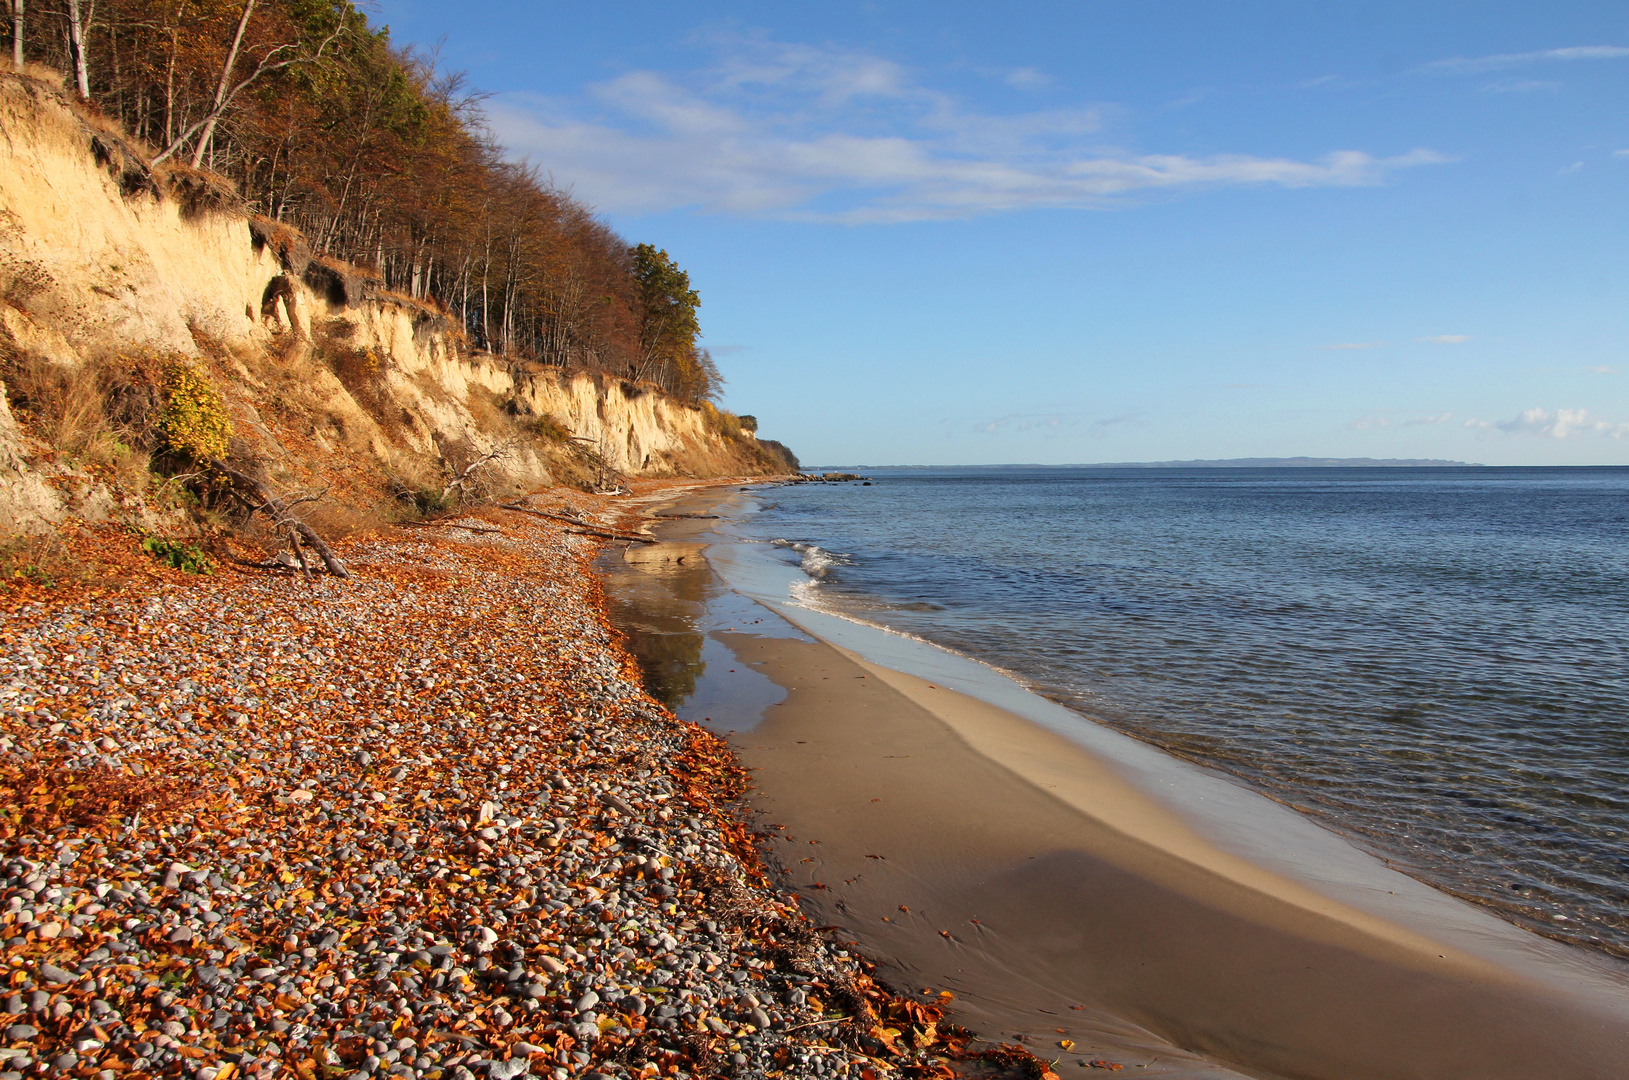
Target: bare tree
column 17, row 34
column 279, row 57
column 76, row 39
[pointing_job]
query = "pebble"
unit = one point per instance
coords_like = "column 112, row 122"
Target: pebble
column 424, row 823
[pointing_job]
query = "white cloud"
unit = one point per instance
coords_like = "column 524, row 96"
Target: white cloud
column 807, row 133
column 1620, row 153
column 1561, row 424
column 1574, row 167
column 1602, row 369
column 1446, row 339
column 1354, row 345
column 1463, row 64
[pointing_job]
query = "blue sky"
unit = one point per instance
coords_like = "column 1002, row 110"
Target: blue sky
column 938, row 233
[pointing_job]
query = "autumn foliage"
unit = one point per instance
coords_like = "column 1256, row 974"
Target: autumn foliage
column 383, row 162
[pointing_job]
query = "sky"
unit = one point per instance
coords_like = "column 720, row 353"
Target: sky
column 1109, row 230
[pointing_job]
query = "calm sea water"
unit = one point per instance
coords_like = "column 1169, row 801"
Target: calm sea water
column 1432, row 661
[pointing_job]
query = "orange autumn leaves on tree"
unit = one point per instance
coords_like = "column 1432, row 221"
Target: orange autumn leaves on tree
column 382, row 161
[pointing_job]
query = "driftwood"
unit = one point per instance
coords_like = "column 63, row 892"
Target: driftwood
column 278, row 509
column 583, row 527
column 698, row 517
column 451, row 525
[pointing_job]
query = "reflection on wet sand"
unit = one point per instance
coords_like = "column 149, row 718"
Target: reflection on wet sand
column 657, row 595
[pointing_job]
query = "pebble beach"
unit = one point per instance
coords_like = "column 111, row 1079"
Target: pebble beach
column 421, row 823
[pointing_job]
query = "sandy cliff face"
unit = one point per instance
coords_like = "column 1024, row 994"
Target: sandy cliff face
column 104, row 263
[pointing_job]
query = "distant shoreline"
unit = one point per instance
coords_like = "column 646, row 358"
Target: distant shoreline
column 1221, row 463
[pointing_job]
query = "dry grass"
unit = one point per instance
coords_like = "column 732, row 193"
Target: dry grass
column 199, row 191
column 37, row 559
column 99, row 413
column 46, row 74
column 487, row 409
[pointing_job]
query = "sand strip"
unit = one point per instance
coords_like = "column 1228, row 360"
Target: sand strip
column 1049, row 904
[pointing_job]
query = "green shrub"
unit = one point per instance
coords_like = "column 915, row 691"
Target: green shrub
column 189, row 557
column 547, row 427
column 194, row 421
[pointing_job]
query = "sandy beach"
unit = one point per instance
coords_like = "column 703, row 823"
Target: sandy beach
column 967, row 849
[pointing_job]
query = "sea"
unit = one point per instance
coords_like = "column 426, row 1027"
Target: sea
column 1432, row 662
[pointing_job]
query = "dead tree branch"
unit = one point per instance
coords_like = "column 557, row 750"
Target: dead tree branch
column 248, row 490
column 497, row 453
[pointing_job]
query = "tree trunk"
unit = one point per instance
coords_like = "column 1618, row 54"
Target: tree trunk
column 17, row 34
column 76, row 38
column 208, row 132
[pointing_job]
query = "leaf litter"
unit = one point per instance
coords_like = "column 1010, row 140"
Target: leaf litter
column 424, row 823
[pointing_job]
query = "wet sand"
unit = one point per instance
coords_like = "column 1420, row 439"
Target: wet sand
column 968, row 849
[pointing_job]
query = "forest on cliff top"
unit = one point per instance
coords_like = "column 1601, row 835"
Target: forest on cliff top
column 382, row 161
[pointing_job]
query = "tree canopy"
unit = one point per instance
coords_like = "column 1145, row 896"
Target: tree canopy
column 384, row 161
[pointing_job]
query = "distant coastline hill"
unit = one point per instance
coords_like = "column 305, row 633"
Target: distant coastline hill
column 1287, row 463
column 1209, row 463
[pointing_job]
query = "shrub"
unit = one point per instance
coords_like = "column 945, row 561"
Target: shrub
column 189, row 557
column 721, row 421
column 547, row 427
column 194, row 421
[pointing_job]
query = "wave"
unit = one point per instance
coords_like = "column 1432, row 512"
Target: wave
column 817, row 562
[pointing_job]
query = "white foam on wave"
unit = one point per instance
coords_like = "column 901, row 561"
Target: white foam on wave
column 817, row 562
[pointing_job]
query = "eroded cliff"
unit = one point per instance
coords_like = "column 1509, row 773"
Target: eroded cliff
column 112, row 274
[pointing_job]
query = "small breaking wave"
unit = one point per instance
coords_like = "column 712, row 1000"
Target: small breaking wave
column 817, row 562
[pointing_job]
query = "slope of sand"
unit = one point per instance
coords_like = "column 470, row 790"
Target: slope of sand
column 1035, row 880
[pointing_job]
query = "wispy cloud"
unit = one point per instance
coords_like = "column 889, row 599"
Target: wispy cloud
column 1561, row 424
column 1522, row 86
column 1469, row 64
column 1028, row 78
column 1602, row 369
column 1367, row 423
column 811, row 133
column 1354, row 345
column 1095, row 426
column 1445, row 339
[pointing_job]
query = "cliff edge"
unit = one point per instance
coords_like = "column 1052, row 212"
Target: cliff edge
column 147, row 321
